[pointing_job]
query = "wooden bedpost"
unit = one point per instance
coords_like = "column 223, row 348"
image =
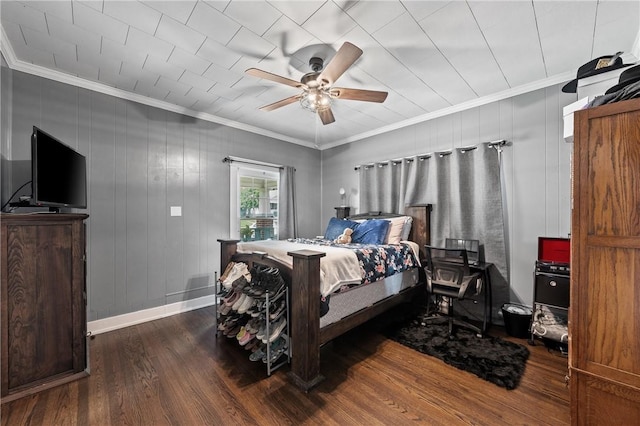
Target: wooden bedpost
column 227, row 249
column 305, row 318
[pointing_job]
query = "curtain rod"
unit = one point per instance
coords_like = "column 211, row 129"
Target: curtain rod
column 497, row 144
column 230, row 160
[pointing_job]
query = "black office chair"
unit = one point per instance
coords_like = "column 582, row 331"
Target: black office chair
column 449, row 277
column 472, row 247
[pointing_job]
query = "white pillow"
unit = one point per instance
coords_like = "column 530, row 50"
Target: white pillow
column 407, row 228
column 396, row 229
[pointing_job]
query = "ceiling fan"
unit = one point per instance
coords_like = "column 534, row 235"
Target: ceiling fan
column 317, row 86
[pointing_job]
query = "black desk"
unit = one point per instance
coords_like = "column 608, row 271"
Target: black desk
column 483, row 268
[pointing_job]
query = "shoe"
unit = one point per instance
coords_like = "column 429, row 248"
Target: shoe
column 275, row 285
column 224, row 309
column 277, row 310
column 258, row 353
column 262, row 276
column 233, row 331
column 226, row 272
column 238, row 270
column 276, row 349
column 238, row 301
column 246, row 338
column 231, row 299
column 239, row 283
column 253, row 343
column 223, row 292
column 254, row 324
column 241, row 333
column 262, row 331
column 275, row 331
column 257, row 309
column 246, row 304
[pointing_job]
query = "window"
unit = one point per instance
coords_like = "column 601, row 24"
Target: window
column 254, row 202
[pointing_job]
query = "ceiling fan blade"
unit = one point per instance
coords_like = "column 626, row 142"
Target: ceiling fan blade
column 280, row 103
column 344, row 58
column 274, row 77
column 326, row 116
column 358, row 94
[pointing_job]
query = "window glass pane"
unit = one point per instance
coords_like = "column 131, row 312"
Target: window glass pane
column 256, row 217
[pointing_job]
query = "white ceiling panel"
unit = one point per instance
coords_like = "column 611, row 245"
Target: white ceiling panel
column 116, row 52
column 141, row 41
column 514, row 42
column 117, row 80
column 329, row 23
column 287, row 36
column 25, row 15
column 60, row 9
column 212, row 23
column 134, row 71
column 256, row 16
column 173, row 86
column 94, row 4
column 220, row 5
column 225, row 92
column 43, row 41
column 616, row 27
column 178, row 10
column 250, row 44
column 371, row 19
column 151, row 90
column 428, row 55
column 80, row 69
column 423, row 9
column 179, row 34
column 166, row 69
column 91, row 56
column 27, row 54
column 218, row 54
column 193, row 63
column 222, row 75
column 299, row 11
column 135, row 13
column 88, row 18
column 73, row 34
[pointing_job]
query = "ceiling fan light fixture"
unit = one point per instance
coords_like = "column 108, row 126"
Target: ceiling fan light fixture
column 315, row 100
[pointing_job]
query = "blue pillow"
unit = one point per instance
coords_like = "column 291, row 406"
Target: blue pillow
column 336, row 226
column 373, row 231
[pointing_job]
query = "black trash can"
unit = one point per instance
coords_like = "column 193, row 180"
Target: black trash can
column 517, row 319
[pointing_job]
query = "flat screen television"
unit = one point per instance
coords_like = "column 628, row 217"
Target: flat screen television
column 58, row 173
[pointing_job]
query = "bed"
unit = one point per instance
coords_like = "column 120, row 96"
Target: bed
column 302, row 266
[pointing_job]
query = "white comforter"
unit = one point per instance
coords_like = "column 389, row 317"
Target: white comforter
column 339, row 267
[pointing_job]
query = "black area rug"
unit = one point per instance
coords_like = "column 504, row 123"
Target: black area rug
column 496, row 360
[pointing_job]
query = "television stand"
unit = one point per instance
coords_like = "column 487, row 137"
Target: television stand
column 28, row 203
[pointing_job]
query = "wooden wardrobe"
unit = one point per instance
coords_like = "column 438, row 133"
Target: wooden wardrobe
column 604, row 318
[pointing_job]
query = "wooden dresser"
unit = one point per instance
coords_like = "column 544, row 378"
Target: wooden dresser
column 604, row 318
column 43, row 302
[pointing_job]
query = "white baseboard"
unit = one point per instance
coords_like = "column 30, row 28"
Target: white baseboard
column 133, row 318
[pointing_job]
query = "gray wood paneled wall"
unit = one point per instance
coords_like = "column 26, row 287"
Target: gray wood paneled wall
column 536, row 168
column 142, row 160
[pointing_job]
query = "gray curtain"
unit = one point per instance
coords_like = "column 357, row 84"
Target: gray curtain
column 464, row 187
column 288, row 219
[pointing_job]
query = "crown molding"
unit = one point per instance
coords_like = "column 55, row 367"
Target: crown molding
column 505, row 94
column 18, row 65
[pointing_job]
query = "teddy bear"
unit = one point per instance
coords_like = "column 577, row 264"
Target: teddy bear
column 345, row 237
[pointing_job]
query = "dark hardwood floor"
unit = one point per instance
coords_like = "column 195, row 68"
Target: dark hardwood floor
column 175, row 371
